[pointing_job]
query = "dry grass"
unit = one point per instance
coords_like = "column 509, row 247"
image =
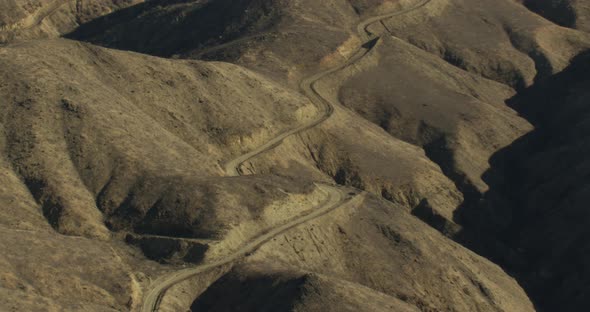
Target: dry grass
column 96, row 142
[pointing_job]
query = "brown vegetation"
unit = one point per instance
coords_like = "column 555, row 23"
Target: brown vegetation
column 109, row 157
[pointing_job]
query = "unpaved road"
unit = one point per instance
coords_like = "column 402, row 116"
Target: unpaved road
column 362, row 26
column 336, row 196
column 38, row 17
column 154, row 296
column 232, row 168
column 227, row 44
column 307, row 86
column 185, row 239
column 43, row 13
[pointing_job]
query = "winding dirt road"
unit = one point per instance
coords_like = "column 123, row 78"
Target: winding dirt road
column 152, row 299
column 365, row 34
column 307, row 86
column 336, row 196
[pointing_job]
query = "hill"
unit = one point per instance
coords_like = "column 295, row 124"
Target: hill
column 273, row 155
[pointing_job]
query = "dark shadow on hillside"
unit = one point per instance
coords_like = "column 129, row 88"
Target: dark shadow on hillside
column 243, row 292
column 535, row 219
column 559, row 12
column 165, row 28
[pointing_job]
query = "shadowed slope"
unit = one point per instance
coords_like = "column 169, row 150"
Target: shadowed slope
column 543, row 178
column 369, row 254
column 98, row 112
column 34, row 19
column 568, row 13
column 98, row 143
column 505, row 42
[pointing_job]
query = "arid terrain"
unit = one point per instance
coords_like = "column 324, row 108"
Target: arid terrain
column 294, row 155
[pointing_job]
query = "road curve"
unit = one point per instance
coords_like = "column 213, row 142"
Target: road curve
column 362, row 26
column 307, row 86
column 155, row 295
column 336, row 196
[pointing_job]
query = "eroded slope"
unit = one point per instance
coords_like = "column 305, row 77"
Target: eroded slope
column 79, row 122
column 505, row 42
column 408, row 264
column 98, row 143
column 543, row 177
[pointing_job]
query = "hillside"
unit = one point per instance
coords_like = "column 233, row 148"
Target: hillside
column 550, row 204
column 274, row 155
column 568, row 13
column 33, row 19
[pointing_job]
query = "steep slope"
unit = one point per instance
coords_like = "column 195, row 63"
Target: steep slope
column 78, row 122
column 187, row 28
column 105, row 146
column 45, row 271
column 543, row 177
column 291, row 291
column 96, row 143
column 457, row 117
column 410, row 268
column 519, row 46
column 291, row 18
column 427, row 91
column 33, row 19
column 568, row 13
